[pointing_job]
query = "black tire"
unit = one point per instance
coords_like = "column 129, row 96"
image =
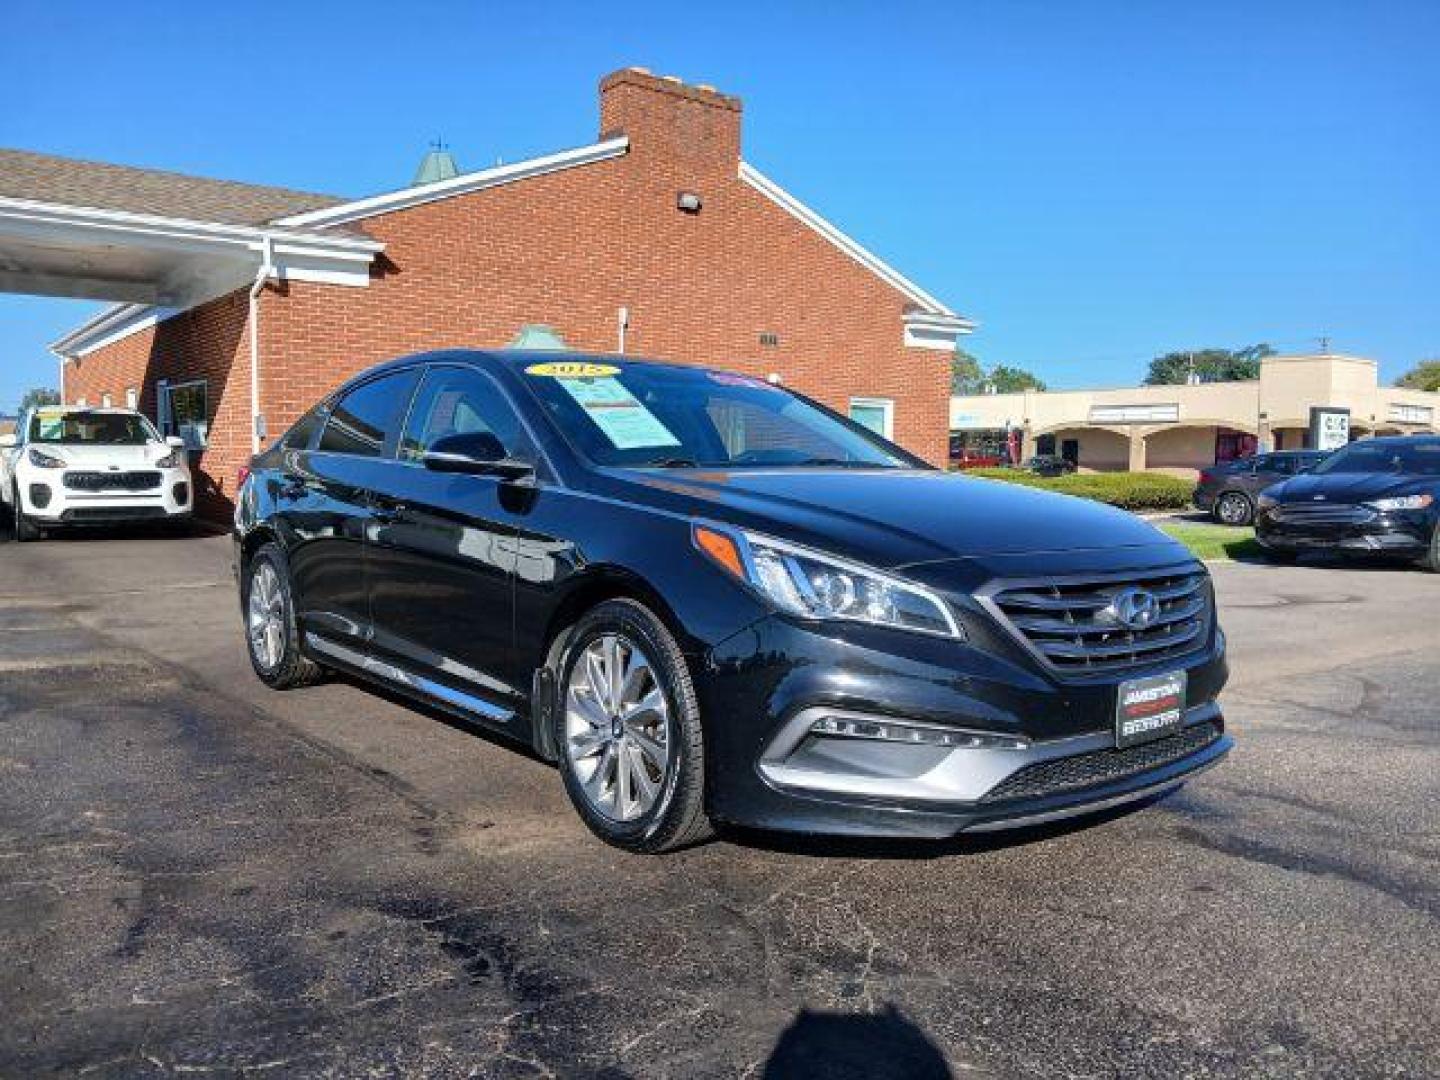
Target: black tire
column 290, row 668
column 1431, row 559
column 677, row 818
column 23, row 529
column 1234, row 508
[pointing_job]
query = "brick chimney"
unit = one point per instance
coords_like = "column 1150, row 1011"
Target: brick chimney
column 695, row 127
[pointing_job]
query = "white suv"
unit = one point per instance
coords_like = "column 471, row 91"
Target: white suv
column 79, row 466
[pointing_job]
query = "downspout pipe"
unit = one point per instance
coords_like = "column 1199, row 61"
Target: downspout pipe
column 63, row 360
column 267, row 267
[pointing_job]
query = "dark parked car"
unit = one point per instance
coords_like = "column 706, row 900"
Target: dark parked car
column 710, row 599
column 1373, row 497
column 1229, row 490
column 1050, row 465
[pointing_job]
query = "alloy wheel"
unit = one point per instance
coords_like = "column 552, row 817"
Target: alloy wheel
column 1234, row 509
column 617, row 728
column 265, row 616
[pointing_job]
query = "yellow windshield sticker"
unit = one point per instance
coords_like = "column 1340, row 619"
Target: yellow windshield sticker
column 50, row 410
column 572, row 369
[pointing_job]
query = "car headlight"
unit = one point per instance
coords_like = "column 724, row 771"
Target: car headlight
column 42, row 460
column 169, row 461
column 1265, row 502
column 816, row 586
column 1402, row 502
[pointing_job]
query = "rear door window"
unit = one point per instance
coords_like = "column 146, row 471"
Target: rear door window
column 366, row 421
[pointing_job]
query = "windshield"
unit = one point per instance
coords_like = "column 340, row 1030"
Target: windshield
column 1419, row 458
column 641, row 415
column 91, row 428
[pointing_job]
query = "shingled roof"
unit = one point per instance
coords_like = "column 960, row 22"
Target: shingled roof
column 71, row 182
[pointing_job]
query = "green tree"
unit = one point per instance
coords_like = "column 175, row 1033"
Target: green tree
column 966, row 377
column 1011, row 380
column 1211, row 365
column 1423, row 376
column 38, row 397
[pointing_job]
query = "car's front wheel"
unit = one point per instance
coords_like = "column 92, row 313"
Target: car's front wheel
column 270, row 628
column 21, row 526
column 1431, row 559
column 1234, row 508
column 628, row 729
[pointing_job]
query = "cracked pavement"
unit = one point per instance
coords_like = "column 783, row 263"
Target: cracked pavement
column 199, row 875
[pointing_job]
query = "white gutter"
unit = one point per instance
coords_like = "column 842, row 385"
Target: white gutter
column 267, row 266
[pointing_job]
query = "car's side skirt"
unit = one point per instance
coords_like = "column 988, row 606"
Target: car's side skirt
column 392, row 675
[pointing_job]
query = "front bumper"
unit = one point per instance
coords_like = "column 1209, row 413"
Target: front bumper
column 1203, row 498
column 1029, row 748
column 1369, row 532
column 46, row 499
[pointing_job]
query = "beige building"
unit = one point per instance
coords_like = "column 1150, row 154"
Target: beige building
column 1185, row 428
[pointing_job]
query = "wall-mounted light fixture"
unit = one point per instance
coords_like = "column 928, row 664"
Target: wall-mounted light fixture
column 687, row 202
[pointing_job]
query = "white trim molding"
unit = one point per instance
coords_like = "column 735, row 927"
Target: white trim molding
column 405, row 198
column 924, row 330
column 109, row 326
column 928, row 304
column 55, row 223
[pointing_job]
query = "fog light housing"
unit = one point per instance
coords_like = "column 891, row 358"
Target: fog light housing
column 902, row 731
column 181, row 492
column 40, row 496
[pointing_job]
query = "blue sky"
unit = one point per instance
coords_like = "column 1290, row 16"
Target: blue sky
column 1094, row 182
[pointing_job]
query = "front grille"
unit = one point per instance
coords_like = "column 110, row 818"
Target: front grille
column 1070, row 626
column 112, row 481
column 111, row 513
column 1101, row 766
column 1321, row 514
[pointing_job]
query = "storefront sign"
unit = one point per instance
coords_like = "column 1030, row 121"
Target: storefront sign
column 1329, row 427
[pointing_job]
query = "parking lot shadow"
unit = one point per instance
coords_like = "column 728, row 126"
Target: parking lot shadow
column 865, row 1046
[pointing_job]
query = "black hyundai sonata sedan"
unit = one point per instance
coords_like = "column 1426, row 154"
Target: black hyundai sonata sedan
column 712, row 600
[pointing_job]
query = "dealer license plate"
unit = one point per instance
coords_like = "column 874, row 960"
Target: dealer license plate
column 1149, row 708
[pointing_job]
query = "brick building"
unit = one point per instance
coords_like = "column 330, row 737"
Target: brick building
column 658, row 241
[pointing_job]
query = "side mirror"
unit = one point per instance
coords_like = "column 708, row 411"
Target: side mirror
column 175, row 442
column 8, row 440
column 478, row 453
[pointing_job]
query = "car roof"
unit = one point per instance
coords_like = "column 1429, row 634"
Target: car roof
column 1400, row 440
column 512, row 359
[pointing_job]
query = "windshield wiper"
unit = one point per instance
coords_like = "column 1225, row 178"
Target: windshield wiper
column 671, row 463
column 845, row 463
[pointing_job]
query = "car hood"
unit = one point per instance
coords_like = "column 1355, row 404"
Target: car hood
column 101, row 456
column 891, row 518
column 1348, row 487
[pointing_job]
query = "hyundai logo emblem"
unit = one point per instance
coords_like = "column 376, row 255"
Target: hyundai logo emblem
column 1133, row 608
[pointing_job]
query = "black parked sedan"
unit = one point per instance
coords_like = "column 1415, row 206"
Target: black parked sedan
column 1229, row 490
column 1374, row 497
column 710, row 599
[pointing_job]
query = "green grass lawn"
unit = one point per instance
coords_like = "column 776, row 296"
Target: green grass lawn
column 1215, row 541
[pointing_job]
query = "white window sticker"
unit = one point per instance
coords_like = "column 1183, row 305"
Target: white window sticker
column 619, row 415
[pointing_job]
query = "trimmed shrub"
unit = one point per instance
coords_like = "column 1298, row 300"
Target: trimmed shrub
column 1127, row 490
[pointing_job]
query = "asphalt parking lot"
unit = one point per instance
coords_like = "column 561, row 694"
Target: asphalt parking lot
column 200, row 875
